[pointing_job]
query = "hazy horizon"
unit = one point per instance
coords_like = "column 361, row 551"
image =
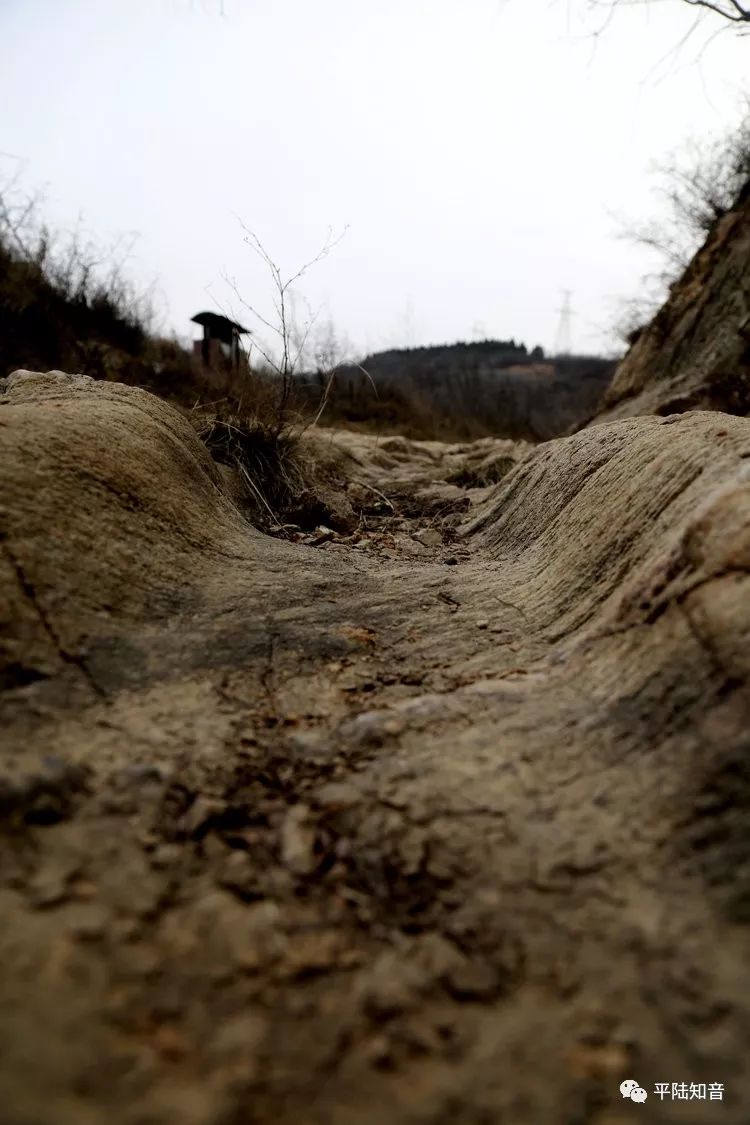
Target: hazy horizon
column 477, row 155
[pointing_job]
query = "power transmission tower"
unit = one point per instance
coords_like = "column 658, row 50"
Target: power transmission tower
column 563, row 339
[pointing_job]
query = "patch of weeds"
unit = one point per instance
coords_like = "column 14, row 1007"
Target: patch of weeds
column 284, row 478
column 479, row 476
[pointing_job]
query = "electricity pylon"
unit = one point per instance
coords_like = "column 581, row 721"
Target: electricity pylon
column 563, row 339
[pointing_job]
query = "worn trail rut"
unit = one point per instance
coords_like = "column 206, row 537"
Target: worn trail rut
column 441, row 822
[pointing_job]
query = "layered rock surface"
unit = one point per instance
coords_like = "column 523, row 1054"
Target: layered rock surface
column 315, row 834
column 695, row 354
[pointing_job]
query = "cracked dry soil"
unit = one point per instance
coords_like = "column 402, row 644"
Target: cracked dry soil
column 400, row 828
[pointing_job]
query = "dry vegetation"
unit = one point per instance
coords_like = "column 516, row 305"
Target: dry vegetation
column 67, row 303
column 697, row 184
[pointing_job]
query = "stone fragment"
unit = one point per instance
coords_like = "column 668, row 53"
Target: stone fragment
column 202, row 811
column 298, row 840
column 429, row 537
column 338, row 795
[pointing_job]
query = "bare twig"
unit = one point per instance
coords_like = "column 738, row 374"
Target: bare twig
column 731, row 10
column 371, row 488
column 292, row 341
column 734, row 13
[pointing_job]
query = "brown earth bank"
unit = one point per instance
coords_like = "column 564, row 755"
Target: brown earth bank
column 443, row 819
column 695, row 353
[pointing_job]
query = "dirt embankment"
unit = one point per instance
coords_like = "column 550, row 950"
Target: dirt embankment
column 396, row 828
column 695, row 354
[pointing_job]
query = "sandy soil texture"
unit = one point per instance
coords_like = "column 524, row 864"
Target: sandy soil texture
column 442, row 822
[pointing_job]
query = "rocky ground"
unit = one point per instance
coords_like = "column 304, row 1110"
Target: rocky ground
column 441, row 818
column 695, row 353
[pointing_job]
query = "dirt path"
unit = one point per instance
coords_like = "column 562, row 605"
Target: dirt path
column 401, row 827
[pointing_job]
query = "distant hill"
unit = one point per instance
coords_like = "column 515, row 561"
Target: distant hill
column 483, row 355
column 464, row 390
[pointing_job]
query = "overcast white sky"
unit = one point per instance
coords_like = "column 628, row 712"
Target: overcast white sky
column 477, row 150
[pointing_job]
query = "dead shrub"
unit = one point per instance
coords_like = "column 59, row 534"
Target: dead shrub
column 287, row 478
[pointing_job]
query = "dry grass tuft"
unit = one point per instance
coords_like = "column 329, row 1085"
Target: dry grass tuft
column 285, row 477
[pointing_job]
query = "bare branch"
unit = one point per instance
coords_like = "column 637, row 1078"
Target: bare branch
column 737, row 13
column 734, row 11
column 292, row 339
